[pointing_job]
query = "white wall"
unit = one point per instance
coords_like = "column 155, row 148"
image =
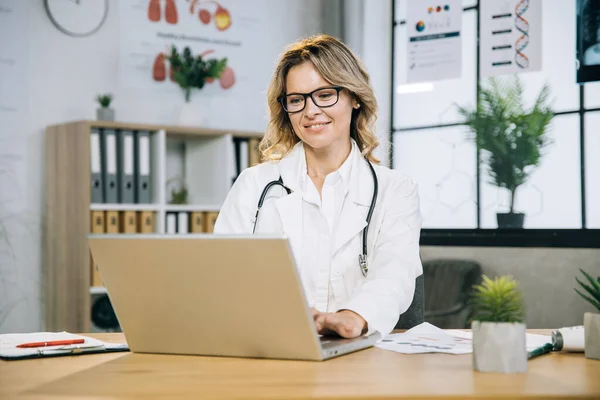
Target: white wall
column 65, row 74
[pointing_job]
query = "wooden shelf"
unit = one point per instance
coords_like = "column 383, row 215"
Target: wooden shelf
column 124, row 207
column 169, row 129
column 208, row 156
column 192, row 207
column 97, row 290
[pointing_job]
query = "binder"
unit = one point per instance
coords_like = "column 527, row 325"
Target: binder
column 182, row 222
column 143, row 188
column 171, row 225
column 210, row 220
column 244, row 156
column 97, row 194
column 197, row 222
column 128, row 222
column 145, row 222
column 254, row 154
column 112, row 222
column 109, row 165
column 125, row 148
column 96, row 226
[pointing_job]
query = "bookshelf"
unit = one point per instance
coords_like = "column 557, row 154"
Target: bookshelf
column 206, row 160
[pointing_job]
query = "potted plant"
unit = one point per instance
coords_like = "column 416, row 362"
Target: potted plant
column 179, row 195
column 191, row 72
column 510, row 136
column 105, row 113
column 498, row 328
column 591, row 321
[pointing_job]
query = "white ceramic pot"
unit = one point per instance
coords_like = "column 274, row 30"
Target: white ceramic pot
column 190, row 114
column 105, row 114
column 499, row 347
column 591, row 326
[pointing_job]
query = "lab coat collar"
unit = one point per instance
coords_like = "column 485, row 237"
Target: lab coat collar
column 360, row 180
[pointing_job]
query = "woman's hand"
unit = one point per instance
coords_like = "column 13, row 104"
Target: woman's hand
column 344, row 323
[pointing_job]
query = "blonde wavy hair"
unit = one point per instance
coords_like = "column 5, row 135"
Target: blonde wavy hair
column 338, row 65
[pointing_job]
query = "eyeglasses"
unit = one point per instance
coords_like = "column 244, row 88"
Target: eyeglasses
column 323, row 97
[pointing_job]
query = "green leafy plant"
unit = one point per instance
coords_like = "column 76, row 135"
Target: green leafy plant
column 593, row 289
column 179, row 196
column 511, row 136
column 193, row 72
column 104, row 100
column 497, row 300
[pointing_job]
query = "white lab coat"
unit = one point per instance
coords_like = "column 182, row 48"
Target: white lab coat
column 392, row 240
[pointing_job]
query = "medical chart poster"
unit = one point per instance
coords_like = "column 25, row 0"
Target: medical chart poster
column 434, row 50
column 510, row 36
column 232, row 29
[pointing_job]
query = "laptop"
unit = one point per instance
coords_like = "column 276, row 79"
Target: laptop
column 212, row 295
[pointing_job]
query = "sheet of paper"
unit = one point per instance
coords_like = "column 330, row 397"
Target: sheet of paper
column 427, row 338
column 434, row 48
column 532, row 341
column 511, row 36
column 9, row 342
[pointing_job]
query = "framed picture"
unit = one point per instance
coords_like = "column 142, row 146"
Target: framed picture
column 588, row 40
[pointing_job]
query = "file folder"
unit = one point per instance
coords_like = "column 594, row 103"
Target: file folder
column 142, row 171
column 9, row 343
column 254, row 154
column 171, row 225
column 97, row 194
column 109, row 165
column 128, row 222
column 197, row 222
column 125, row 167
column 210, row 220
column 112, row 222
column 182, row 222
column 145, row 222
column 96, row 226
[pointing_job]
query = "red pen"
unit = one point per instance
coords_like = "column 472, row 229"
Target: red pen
column 51, row 343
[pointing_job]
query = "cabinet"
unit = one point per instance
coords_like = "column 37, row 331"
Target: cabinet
column 206, row 161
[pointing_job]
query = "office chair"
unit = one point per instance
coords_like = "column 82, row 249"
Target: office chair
column 448, row 286
column 413, row 316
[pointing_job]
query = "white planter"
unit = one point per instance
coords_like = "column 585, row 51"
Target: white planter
column 190, row 114
column 591, row 326
column 105, row 114
column 499, row 347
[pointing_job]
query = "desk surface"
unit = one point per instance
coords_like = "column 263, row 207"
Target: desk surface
column 367, row 374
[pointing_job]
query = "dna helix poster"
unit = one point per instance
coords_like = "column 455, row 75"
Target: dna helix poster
column 510, row 36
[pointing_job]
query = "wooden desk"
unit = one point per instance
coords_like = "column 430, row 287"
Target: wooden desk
column 368, row 374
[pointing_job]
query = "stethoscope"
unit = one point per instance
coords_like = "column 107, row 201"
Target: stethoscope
column 362, row 258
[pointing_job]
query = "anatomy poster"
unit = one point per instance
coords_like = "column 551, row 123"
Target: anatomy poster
column 434, row 41
column 230, row 29
column 510, row 36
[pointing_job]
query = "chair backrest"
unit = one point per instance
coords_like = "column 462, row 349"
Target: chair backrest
column 449, row 282
column 413, row 316
column 448, row 286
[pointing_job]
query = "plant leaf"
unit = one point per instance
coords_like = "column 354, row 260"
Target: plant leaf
column 589, row 299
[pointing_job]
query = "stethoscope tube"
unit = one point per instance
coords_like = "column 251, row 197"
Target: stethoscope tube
column 362, row 258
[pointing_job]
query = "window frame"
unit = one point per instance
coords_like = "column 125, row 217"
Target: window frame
column 569, row 238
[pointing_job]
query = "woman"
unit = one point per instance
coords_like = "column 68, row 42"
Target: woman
column 320, row 142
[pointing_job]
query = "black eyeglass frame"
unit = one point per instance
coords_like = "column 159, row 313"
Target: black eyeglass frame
column 338, row 89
